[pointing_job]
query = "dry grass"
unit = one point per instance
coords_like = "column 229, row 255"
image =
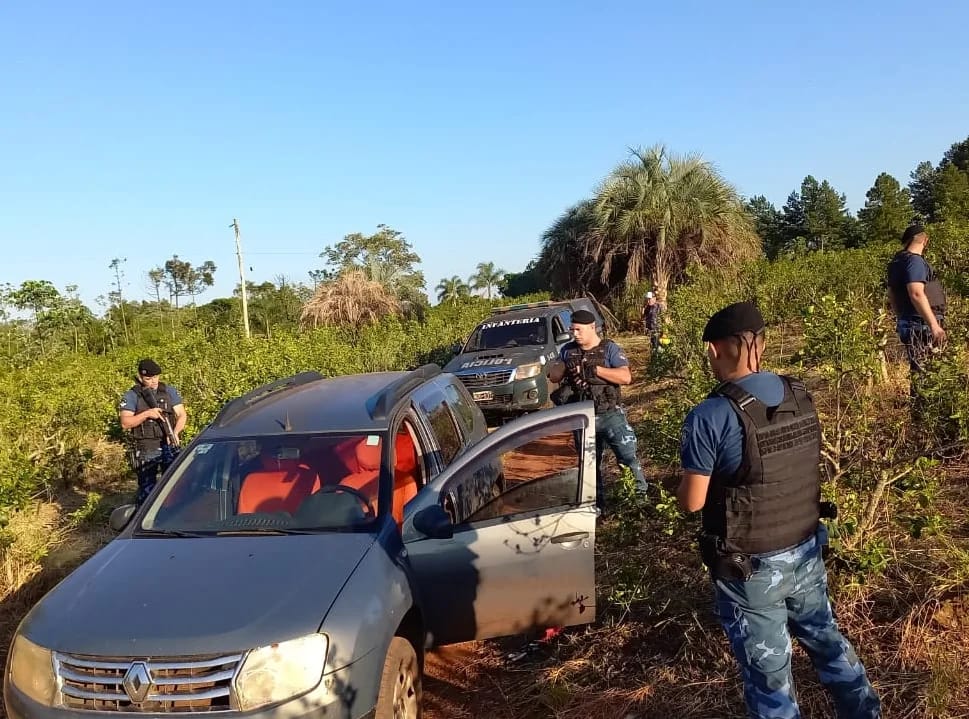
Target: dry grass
column 47, row 540
column 350, row 300
column 656, row 650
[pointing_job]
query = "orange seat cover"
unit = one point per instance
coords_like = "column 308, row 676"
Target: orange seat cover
column 405, row 474
column 279, row 486
column 366, row 479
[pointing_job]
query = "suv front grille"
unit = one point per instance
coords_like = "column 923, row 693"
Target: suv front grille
column 486, row 378
column 178, row 685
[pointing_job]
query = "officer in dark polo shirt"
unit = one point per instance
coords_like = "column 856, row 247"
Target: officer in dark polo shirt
column 917, row 298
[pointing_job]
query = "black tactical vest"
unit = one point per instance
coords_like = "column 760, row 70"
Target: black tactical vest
column 934, row 292
column 605, row 396
column 773, row 499
column 151, row 430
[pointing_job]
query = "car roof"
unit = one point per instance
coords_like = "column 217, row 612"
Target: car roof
column 310, row 403
column 541, row 309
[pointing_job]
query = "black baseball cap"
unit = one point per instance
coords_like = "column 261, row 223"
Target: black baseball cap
column 911, row 232
column 583, row 317
column 734, row 320
column 148, row 368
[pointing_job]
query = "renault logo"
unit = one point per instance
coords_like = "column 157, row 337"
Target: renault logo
column 137, row 682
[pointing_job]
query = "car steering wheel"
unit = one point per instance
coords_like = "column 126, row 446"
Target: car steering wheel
column 369, row 510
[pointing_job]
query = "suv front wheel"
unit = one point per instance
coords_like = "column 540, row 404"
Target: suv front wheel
column 400, row 683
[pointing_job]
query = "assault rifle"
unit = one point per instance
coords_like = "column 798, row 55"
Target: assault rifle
column 149, row 397
column 579, row 371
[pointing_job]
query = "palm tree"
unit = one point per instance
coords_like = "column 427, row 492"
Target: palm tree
column 452, row 290
column 487, row 277
column 564, row 244
column 351, row 299
column 657, row 212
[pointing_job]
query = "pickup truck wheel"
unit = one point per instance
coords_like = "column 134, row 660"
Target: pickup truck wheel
column 400, row 683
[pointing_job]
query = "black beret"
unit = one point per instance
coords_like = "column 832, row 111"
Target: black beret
column 583, row 317
column 733, row 320
column 148, row 368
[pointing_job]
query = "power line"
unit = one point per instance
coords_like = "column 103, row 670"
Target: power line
column 284, row 252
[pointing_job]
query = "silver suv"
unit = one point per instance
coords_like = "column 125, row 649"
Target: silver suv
column 309, row 545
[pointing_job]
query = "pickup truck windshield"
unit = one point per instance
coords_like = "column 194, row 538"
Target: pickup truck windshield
column 498, row 334
column 276, row 484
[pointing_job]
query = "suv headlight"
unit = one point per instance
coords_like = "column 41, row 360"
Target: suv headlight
column 526, row 371
column 273, row 674
column 32, row 671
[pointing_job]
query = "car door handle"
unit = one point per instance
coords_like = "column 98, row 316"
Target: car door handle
column 569, row 537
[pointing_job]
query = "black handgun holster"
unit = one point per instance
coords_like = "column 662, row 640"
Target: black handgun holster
column 723, row 565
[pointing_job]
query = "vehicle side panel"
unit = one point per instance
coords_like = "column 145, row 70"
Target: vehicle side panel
column 365, row 617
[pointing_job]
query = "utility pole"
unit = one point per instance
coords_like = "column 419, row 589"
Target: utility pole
column 242, row 278
column 116, row 266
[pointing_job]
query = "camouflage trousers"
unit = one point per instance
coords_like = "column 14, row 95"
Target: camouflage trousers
column 613, row 430
column 788, row 596
column 148, row 464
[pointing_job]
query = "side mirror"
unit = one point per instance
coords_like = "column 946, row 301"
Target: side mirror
column 120, row 516
column 433, row 522
column 456, row 349
column 562, row 337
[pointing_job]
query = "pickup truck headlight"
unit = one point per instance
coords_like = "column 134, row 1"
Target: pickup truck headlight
column 525, row 371
column 32, row 671
column 273, row 674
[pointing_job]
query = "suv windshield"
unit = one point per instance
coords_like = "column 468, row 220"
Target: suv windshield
column 276, row 484
column 508, row 333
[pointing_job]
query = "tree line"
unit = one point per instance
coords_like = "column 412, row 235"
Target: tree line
column 652, row 221
column 658, row 214
column 365, row 277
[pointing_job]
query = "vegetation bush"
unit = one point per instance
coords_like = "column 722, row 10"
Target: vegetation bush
column 828, row 322
column 54, row 409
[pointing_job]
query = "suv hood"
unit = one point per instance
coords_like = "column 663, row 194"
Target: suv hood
column 185, row 596
column 494, row 359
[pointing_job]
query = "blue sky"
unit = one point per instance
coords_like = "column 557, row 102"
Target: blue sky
column 140, row 130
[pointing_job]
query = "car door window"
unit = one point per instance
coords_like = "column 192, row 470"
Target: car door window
column 443, row 424
column 535, row 473
column 523, row 553
column 462, row 408
column 563, row 323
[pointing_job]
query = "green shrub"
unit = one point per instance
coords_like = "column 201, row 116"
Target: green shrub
column 53, row 409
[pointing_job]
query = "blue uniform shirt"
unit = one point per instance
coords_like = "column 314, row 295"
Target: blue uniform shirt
column 713, row 438
column 615, row 357
column 907, row 267
column 130, row 399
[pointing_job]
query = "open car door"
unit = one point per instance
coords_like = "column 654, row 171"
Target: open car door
column 503, row 540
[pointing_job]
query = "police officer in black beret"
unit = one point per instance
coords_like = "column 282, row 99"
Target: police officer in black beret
column 750, row 456
column 153, row 414
column 593, row 368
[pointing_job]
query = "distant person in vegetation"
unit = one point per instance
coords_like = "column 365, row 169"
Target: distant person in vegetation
column 154, row 416
column 592, row 368
column 651, row 320
column 917, row 299
column 750, row 459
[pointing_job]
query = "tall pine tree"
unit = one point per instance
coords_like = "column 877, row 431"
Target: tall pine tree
column 769, row 222
column 887, row 211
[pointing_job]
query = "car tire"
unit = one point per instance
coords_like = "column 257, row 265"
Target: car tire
column 400, row 683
